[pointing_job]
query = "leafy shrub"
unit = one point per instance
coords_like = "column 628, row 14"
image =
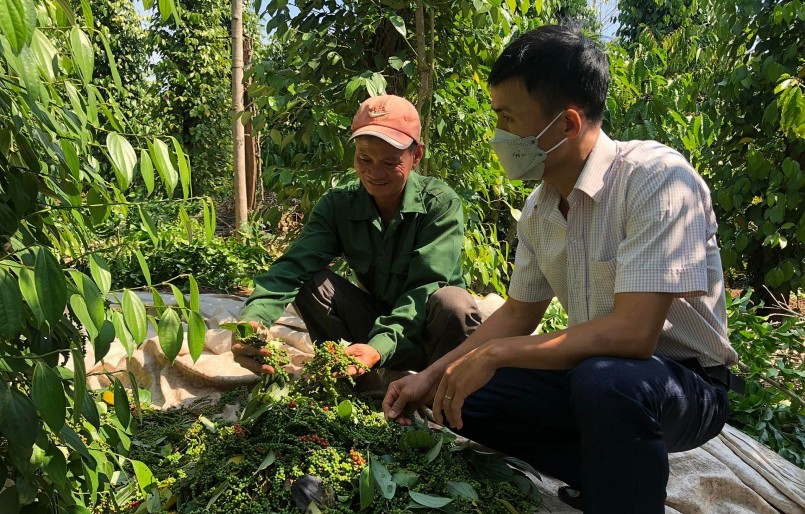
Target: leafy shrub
column 770, row 348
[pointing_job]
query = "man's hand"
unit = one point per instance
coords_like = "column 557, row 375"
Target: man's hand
column 461, row 378
column 364, row 354
column 412, row 391
column 244, row 354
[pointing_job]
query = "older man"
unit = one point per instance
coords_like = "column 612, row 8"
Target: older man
column 401, row 235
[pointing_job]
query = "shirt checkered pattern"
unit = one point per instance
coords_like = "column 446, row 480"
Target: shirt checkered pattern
column 640, row 220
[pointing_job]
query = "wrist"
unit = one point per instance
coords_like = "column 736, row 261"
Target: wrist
column 491, row 354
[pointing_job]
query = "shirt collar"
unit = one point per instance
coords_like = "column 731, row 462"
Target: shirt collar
column 591, row 179
column 365, row 208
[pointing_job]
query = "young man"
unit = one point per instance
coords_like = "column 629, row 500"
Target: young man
column 623, row 234
column 400, row 233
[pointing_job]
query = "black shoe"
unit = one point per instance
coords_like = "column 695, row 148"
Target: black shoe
column 571, row 497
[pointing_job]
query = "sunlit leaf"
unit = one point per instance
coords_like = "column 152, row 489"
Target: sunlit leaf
column 83, row 53
column 123, row 158
column 196, row 334
column 135, row 316
column 17, row 22
column 170, row 333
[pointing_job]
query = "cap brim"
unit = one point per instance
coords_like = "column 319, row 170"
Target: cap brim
column 391, row 136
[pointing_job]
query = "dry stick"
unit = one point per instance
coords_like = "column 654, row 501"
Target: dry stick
column 743, row 367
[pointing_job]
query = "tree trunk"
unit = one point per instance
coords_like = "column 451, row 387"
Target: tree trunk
column 239, row 158
column 251, row 140
column 425, row 74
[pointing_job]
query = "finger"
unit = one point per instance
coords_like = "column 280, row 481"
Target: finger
column 396, row 400
column 268, row 370
column 388, row 401
column 255, row 325
column 453, row 411
column 250, row 364
column 438, row 400
column 249, row 350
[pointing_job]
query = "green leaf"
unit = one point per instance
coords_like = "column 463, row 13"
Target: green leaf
column 71, row 158
column 269, row 460
column 398, row 23
column 352, row 86
column 509, row 506
column 10, row 500
column 417, row 439
column 17, row 22
column 21, row 423
column 178, row 296
column 209, row 220
column 434, row 502
column 100, row 273
column 55, row 466
column 461, row 490
column 79, row 384
column 148, row 225
column 10, row 307
column 345, row 409
column 218, row 490
column 91, row 296
column 161, row 158
column 122, row 333
column 29, row 73
column 434, row 452
column 83, row 53
column 123, row 158
column 144, row 475
column 382, row 478
column 170, row 334
column 110, row 58
column 122, row 404
column 366, row 487
column 103, row 341
column 196, row 334
column 184, row 167
column 143, row 266
column 44, row 288
column 185, row 220
column 79, row 308
column 194, row 294
column 5, row 398
column 405, row 478
column 147, row 171
column 47, row 393
column 135, row 316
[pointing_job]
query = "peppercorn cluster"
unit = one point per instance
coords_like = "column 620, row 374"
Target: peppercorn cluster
column 316, row 427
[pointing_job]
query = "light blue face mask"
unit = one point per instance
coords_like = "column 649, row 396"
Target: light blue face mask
column 521, row 157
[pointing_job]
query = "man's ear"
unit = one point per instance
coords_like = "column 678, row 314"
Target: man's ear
column 574, row 120
column 419, row 153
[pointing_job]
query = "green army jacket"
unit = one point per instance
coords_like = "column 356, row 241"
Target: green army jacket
column 401, row 264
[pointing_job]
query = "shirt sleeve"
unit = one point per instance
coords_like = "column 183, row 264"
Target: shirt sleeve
column 436, row 260
column 528, row 283
column 313, row 251
column 664, row 248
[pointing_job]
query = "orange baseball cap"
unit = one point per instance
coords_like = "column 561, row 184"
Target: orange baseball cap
column 391, row 118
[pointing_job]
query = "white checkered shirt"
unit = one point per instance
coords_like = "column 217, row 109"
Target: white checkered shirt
column 640, row 220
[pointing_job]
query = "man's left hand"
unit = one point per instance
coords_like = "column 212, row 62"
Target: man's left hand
column 461, row 378
column 364, row 354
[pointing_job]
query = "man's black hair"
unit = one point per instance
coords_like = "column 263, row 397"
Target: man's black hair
column 558, row 66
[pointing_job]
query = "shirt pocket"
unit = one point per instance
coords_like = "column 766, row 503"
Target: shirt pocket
column 602, row 287
column 400, row 264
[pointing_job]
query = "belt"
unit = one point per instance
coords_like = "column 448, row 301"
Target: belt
column 716, row 374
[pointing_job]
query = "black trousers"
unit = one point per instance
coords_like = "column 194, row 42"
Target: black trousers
column 333, row 309
column 605, row 427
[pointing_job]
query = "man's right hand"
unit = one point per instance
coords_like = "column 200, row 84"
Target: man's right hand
column 412, row 391
column 244, row 354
